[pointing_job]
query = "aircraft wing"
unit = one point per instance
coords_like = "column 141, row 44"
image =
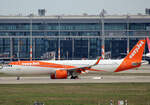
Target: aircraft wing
column 80, row 69
column 73, row 72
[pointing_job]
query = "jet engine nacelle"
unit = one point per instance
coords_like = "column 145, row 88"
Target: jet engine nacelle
column 59, row 74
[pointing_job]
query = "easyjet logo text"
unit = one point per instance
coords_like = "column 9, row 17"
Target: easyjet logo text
column 136, row 49
column 30, row 64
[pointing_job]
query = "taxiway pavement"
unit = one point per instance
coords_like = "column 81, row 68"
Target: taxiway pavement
column 84, row 79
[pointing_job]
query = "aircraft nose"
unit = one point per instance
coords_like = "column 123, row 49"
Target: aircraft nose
column 1, row 67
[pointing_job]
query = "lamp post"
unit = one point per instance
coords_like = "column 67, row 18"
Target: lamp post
column 128, row 40
column 102, row 13
column 30, row 37
column 59, row 38
column 18, row 54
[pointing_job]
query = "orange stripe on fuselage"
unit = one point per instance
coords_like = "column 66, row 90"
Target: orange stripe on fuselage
column 94, row 69
column 41, row 64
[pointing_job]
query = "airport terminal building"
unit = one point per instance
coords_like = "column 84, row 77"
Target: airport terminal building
column 76, row 36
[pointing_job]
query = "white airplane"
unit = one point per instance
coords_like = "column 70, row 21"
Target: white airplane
column 148, row 43
column 62, row 69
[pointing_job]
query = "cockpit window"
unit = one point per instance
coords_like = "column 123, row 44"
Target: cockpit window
column 7, row 65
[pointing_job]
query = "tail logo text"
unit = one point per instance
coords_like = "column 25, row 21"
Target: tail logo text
column 136, row 49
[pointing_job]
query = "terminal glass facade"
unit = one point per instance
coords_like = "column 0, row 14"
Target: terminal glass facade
column 78, row 39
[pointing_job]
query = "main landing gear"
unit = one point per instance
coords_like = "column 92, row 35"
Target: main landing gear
column 74, row 77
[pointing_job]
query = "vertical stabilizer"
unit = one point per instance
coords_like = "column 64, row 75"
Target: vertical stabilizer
column 133, row 59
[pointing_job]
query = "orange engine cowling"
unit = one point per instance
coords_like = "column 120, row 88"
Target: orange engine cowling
column 59, row 74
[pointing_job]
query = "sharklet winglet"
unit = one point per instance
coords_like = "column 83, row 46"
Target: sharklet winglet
column 97, row 62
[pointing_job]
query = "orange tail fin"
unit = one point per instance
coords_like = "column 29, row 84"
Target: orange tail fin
column 133, row 59
column 148, row 43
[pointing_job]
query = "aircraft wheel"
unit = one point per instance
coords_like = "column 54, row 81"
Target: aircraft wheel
column 18, row 78
column 74, row 77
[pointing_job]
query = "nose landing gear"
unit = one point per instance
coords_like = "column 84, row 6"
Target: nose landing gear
column 18, row 78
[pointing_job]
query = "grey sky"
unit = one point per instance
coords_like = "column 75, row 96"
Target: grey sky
column 77, row 7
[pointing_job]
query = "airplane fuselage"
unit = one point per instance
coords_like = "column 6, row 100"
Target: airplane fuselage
column 51, row 66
